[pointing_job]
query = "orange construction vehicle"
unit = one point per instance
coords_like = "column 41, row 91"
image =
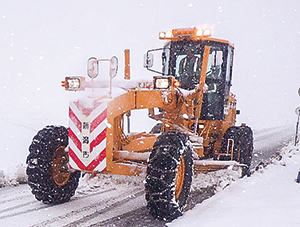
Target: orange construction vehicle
column 195, row 111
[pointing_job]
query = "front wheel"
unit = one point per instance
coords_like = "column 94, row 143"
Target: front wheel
column 169, row 175
column 49, row 177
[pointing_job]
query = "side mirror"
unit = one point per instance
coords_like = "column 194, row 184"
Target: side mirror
column 92, row 67
column 113, row 67
column 299, row 91
column 148, row 60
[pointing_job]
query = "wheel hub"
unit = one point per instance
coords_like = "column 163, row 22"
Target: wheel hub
column 60, row 169
column 179, row 179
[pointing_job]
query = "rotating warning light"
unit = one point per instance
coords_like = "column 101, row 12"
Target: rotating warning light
column 185, row 32
column 199, row 32
column 165, row 35
column 206, row 32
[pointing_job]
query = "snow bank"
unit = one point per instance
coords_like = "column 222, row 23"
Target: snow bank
column 218, row 179
column 92, row 181
column 267, row 198
column 20, row 177
column 3, row 180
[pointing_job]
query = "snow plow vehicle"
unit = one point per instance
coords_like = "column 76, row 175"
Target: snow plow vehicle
column 195, row 111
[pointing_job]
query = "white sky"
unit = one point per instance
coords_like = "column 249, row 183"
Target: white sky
column 43, row 41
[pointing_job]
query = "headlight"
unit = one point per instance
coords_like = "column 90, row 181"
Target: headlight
column 74, row 83
column 162, row 82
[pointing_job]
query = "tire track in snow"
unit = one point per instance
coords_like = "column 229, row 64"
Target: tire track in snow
column 87, row 212
column 111, row 206
column 22, row 212
column 43, row 206
column 8, row 191
column 16, row 207
column 15, row 198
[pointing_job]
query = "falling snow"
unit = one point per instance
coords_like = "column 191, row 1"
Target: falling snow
column 39, row 48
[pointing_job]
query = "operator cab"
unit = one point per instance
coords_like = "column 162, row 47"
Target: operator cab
column 183, row 57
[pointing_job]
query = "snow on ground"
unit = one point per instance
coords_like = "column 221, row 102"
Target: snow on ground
column 106, row 181
column 19, row 177
column 268, row 198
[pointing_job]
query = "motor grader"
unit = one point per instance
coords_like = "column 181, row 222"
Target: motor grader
column 195, row 111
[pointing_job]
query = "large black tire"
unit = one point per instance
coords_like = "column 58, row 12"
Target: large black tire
column 169, row 175
column 47, row 166
column 242, row 146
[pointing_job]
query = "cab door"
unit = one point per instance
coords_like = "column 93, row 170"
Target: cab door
column 218, row 82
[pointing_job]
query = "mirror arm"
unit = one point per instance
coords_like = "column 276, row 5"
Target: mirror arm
column 154, row 70
column 147, row 54
column 152, row 50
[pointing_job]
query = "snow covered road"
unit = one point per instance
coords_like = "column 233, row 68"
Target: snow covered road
column 119, row 201
column 268, row 142
column 90, row 205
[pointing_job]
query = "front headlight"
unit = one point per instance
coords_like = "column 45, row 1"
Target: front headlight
column 162, row 82
column 73, row 83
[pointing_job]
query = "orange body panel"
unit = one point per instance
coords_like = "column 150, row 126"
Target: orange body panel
column 127, row 153
column 127, row 64
column 140, row 144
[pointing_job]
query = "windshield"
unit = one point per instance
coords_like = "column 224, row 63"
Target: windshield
column 185, row 64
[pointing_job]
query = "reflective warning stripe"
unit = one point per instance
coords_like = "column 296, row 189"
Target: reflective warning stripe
column 98, row 120
column 87, row 136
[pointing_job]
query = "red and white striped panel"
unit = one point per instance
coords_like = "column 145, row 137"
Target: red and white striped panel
column 87, row 136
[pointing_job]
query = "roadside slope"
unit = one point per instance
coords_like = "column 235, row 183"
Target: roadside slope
column 267, row 198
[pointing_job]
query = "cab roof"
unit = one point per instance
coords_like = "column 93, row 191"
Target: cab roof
column 179, row 34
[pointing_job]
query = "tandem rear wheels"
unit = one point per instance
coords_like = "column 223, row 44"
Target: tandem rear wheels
column 238, row 143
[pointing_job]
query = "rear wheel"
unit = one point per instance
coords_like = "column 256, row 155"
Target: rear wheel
column 169, row 176
column 239, row 140
column 48, row 173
